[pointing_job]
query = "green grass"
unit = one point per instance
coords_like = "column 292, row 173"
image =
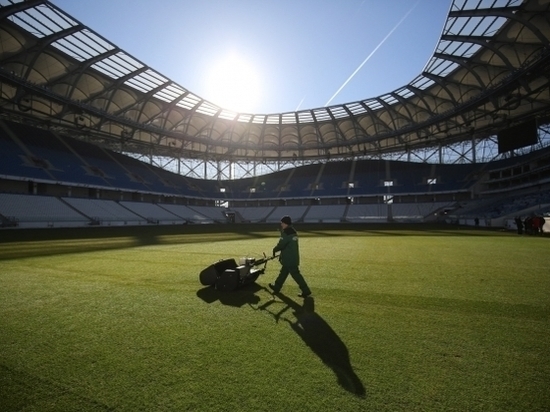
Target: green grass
column 401, row 320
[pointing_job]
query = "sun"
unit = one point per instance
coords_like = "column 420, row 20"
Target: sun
column 233, row 83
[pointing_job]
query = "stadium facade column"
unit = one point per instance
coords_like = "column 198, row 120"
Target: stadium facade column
column 473, row 150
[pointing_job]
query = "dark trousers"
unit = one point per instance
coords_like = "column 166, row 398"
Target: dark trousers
column 293, row 271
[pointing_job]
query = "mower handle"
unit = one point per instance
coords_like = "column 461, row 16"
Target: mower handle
column 265, row 259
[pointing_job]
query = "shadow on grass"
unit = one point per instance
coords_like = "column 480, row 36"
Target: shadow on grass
column 308, row 325
column 22, row 243
column 320, row 338
column 238, row 298
column 25, row 243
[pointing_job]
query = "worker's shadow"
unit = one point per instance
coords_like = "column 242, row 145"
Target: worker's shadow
column 238, row 298
column 321, row 339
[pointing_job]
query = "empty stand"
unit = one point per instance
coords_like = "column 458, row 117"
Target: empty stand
column 295, row 212
column 325, row 214
column 214, row 214
column 105, row 212
column 188, row 214
column 61, row 171
column 367, row 213
column 39, row 211
column 411, row 212
column 253, row 214
column 151, row 212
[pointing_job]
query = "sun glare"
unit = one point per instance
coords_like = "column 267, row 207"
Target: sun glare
column 233, row 83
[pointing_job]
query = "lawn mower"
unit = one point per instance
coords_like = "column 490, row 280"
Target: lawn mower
column 226, row 275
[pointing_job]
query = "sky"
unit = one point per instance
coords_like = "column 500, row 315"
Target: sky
column 273, row 56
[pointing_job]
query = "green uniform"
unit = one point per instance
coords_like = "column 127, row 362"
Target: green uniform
column 290, row 260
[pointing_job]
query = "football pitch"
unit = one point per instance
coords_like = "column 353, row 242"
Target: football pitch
column 402, row 319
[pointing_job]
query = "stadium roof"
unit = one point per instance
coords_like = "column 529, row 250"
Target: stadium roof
column 488, row 72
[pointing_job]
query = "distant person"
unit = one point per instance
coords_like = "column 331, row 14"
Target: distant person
column 528, row 225
column 535, row 222
column 519, row 225
column 289, row 258
column 538, row 224
column 476, row 221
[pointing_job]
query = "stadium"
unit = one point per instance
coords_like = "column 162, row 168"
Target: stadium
column 417, row 211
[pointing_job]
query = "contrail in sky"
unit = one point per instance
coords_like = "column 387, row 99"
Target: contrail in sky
column 300, row 104
column 370, row 55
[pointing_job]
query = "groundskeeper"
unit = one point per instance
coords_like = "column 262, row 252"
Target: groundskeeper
column 289, row 258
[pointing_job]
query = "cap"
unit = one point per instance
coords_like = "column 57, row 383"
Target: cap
column 286, row 220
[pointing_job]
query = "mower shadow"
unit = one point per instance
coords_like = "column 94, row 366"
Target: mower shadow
column 245, row 295
column 320, row 338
